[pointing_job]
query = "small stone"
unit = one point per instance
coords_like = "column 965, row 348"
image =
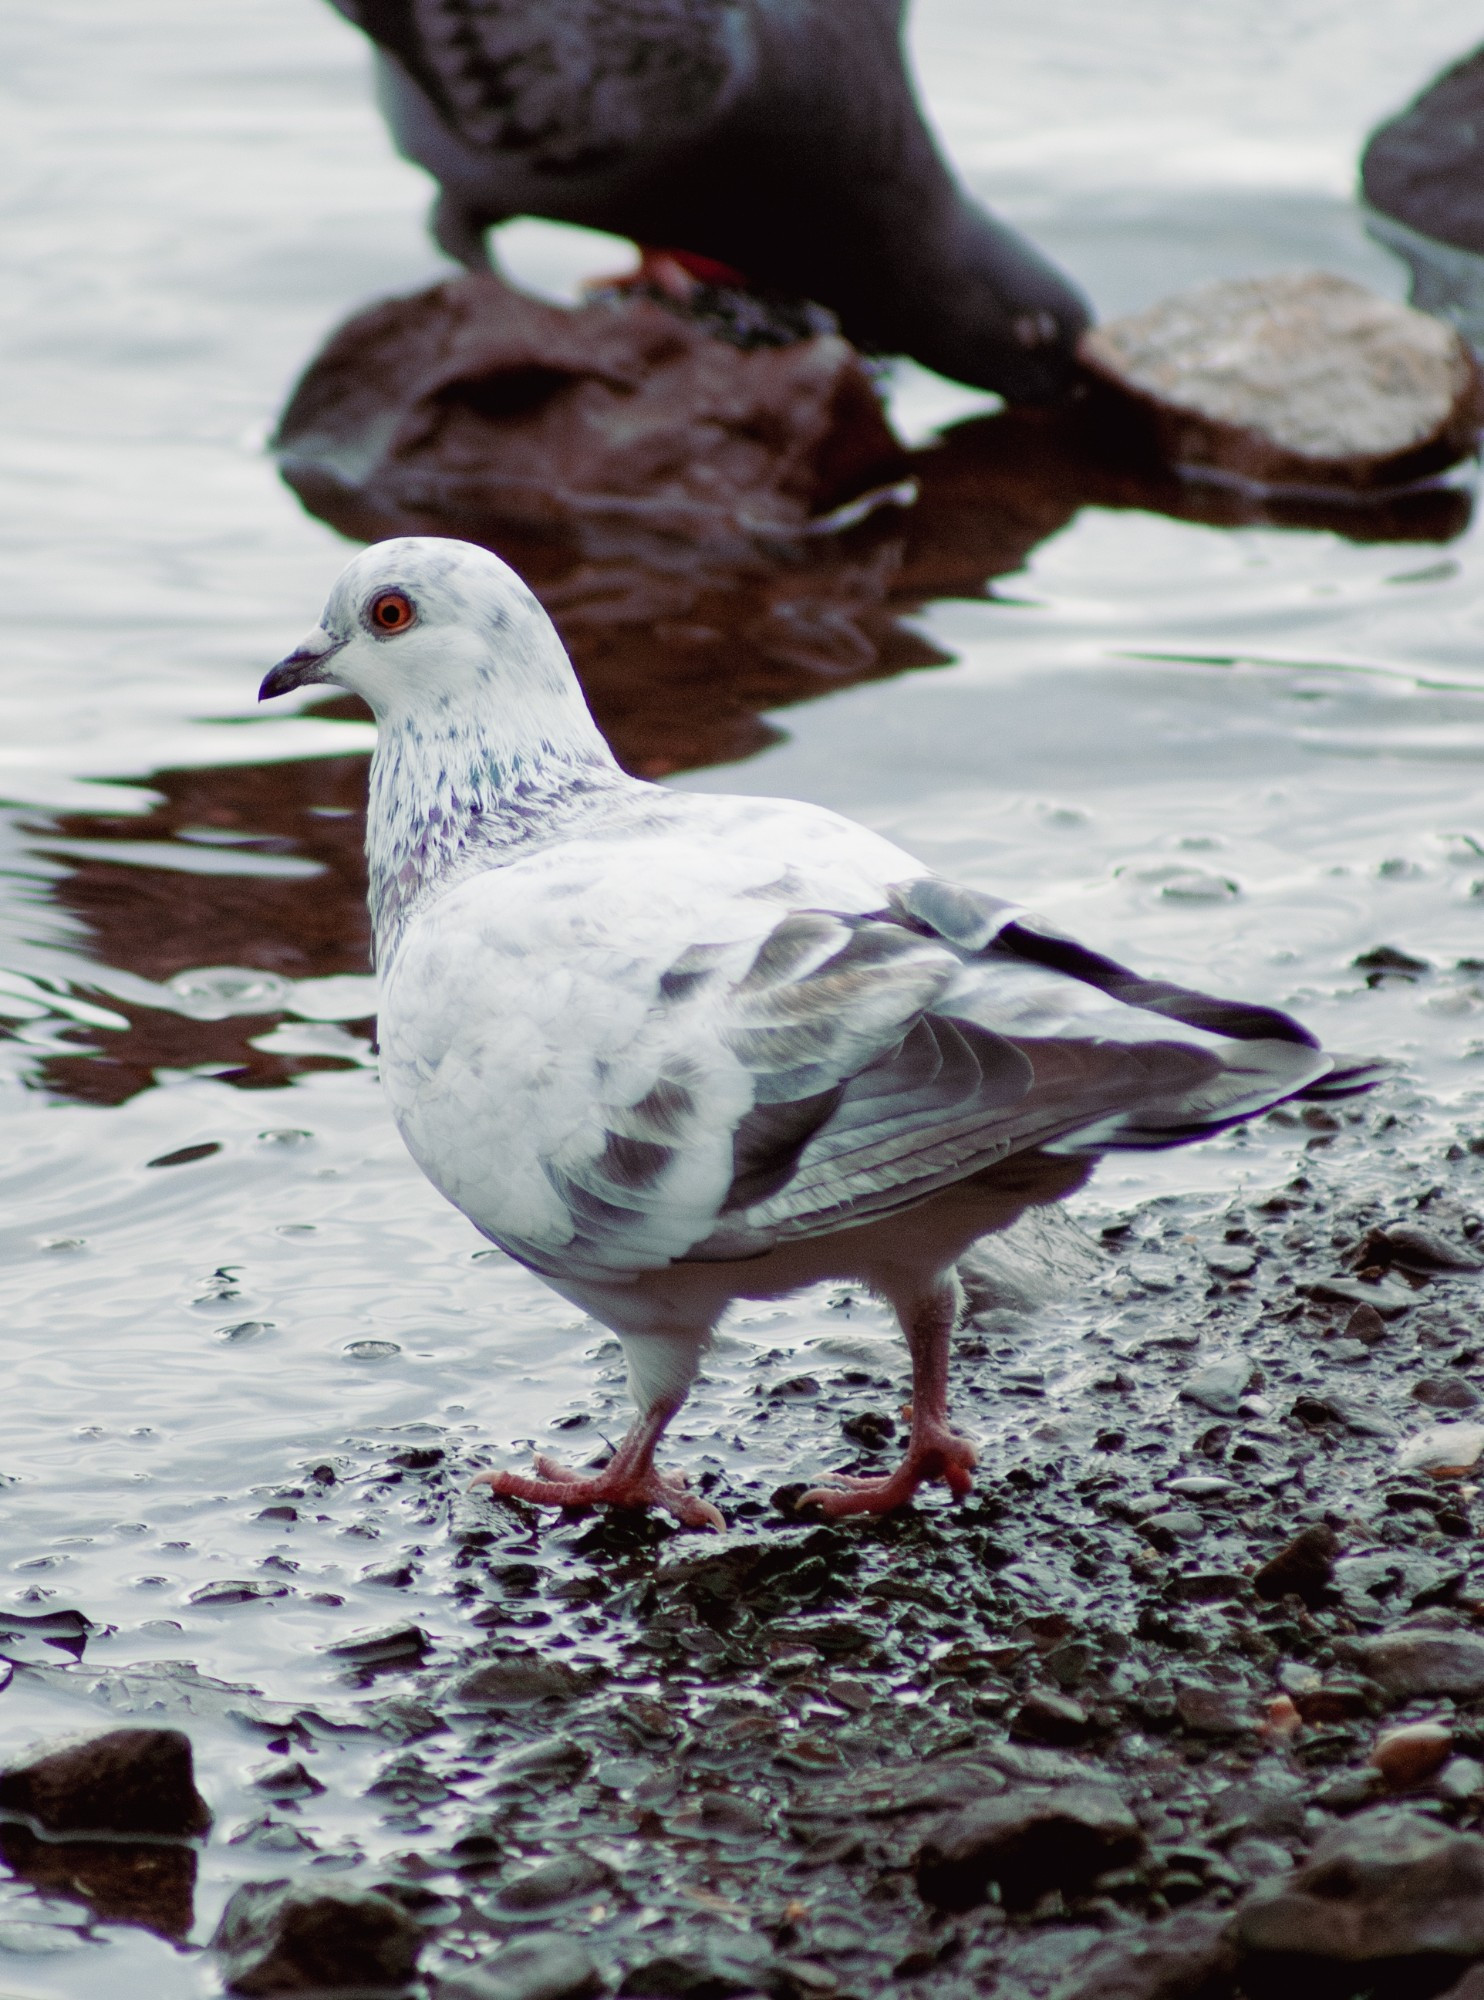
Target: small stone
column 1173, row 1524
column 1202, row 1486
column 1214, row 1711
column 1416, row 1661
column 1295, row 378
column 384, row 1643
column 1255, row 1858
column 136, row 1781
column 284, row 1938
column 1445, row 1392
column 1219, row 1385
column 1232, row 1260
column 517, row 1682
column 1304, row 1567
column 544, row 1968
column 1186, row 1956
column 551, row 1883
column 1411, row 1754
column 1045, row 1717
column 1366, row 1324
column 1028, row 1842
column 740, row 1965
column 1418, row 1249
column 1448, row 1451
column 1387, row 1299
column 1386, row 1892
column 1461, row 1779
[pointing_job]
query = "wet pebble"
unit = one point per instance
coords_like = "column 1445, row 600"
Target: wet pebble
column 552, row 1883
column 1416, row 1661
column 285, row 1938
column 1219, row 1385
column 1412, row 1753
column 1027, row 1842
column 1378, row 1891
column 1048, row 1717
column 1303, row 1566
column 547, row 1968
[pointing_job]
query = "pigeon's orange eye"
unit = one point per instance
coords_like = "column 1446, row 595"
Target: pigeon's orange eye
column 392, row 611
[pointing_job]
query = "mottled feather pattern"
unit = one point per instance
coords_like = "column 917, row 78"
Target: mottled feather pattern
column 575, row 84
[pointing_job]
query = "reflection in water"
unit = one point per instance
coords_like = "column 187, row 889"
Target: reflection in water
column 151, row 1884
column 683, row 649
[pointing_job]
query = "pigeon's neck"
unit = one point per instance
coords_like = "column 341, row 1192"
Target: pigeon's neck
column 447, row 800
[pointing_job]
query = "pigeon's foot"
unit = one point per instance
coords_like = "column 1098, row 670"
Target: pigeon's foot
column 935, row 1452
column 617, row 1485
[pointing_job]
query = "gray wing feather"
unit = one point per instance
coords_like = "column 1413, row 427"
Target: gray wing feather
column 571, row 85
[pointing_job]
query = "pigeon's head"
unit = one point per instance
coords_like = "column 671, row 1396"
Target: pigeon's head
column 421, row 627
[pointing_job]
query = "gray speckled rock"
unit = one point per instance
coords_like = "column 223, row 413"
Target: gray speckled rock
column 1415, row 1661
column 1386, row 1890
column 1300, row 379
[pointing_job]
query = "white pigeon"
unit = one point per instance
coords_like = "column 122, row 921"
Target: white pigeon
column 670, row 1049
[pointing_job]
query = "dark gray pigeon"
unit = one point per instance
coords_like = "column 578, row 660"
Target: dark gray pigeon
column 780, row 138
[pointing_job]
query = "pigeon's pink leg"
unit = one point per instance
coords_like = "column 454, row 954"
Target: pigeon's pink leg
column 934, row 1450
column 629, row 1479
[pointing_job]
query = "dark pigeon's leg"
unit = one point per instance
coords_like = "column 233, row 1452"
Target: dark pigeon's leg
column 934, row 1449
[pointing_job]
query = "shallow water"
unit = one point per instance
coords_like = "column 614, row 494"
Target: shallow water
column 1244, row 756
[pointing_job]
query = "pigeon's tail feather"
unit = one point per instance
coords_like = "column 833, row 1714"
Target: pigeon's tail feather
column 1349, row 1076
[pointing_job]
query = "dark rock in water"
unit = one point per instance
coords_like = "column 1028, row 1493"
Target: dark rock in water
column 1392, row 1896
column 151, row 1884
column 1027, row 1841
column 402, row 1643
column 546, row 1968
column 127, row 1781
column 1189, row 1957
column 1425, row 167
column 473, row 400
column 1419, row 1249
column 1300, row 379
column 287, row 1938
column 1304, row 1567
column 1414, row 1660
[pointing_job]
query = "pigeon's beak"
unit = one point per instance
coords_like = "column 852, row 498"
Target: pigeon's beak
column 306, row 663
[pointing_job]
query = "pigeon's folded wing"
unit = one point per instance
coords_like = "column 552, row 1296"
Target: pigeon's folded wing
column 572, row 87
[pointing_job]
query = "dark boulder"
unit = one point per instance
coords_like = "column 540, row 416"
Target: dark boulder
column 286, row 1938
column 1387, row 1899
column 128, row 1781
column 1027, row 1841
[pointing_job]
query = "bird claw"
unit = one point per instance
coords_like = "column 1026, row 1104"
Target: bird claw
column 941, row 1454
column 556, row 1486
